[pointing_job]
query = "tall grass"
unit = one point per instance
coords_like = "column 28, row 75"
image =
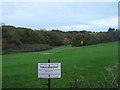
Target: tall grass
column 108, row 80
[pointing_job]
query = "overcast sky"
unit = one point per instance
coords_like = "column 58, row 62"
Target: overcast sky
column 91, row 16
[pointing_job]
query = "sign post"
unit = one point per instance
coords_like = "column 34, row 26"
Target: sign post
column 49, row 70
column 49, row 77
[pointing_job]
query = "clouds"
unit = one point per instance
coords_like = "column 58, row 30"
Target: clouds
column 104, row 24
column 76, row 27
column 60, row 0
column 64, row 15
column 96, row 25
column 113, row 22
column 0, row 13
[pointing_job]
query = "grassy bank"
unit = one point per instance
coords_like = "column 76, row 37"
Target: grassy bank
column 83, row 67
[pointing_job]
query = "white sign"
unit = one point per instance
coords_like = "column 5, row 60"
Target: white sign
column 49, row 70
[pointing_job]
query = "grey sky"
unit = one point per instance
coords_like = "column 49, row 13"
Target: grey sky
column 92, row 16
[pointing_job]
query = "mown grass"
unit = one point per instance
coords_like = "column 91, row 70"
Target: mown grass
column 82, row 67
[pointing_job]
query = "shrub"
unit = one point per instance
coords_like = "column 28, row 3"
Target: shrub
column 85, row 39
column 12, row 48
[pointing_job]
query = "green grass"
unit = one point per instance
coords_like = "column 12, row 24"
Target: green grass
column 86, row 64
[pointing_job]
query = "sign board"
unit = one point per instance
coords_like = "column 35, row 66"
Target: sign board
column 49, row 70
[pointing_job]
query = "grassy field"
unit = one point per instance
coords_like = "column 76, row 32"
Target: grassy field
column 83, row 67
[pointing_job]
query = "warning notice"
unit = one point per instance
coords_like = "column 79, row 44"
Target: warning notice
column 49, row 70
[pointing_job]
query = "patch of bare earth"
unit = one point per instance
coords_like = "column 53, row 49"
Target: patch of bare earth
column 46, row 53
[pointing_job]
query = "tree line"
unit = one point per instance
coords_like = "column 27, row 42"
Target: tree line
column 20, row 39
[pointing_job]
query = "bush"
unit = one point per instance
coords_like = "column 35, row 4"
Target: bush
column 12, row 48
column 85, row 39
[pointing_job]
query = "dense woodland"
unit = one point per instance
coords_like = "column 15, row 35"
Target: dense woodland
column 20, row 39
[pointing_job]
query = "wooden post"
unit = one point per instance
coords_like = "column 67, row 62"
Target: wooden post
column 49, row 77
